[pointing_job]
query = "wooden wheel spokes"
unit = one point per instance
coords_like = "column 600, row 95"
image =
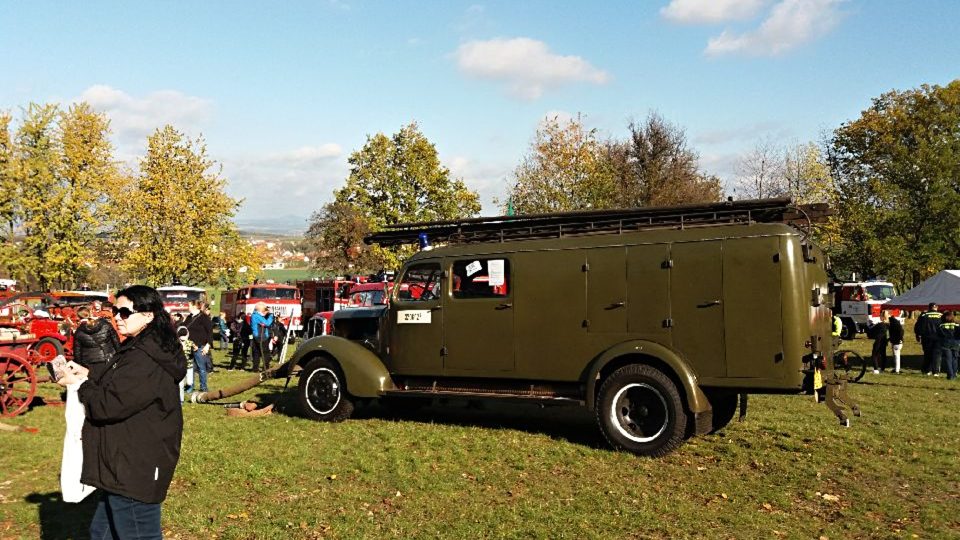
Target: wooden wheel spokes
column 18, row 384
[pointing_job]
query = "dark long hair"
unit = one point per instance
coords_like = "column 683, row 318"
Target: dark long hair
column 147, row 300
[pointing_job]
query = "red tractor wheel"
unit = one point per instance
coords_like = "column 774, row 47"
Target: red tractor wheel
column 47, row 349
column 18, row 384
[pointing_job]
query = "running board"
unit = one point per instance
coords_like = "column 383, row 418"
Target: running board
column 481, row 395
column 487, row 388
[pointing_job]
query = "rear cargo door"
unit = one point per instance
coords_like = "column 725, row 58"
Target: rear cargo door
column 696, row 292
column 607, row 290
column 648, row 292
column 752, row 307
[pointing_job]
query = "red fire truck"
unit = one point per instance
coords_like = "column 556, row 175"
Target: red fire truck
column 320, row 295
column 176, row 298
column 369, row 294
column 283, row 301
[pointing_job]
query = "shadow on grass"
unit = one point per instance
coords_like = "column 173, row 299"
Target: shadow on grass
column 573, row 424
column 60, row 520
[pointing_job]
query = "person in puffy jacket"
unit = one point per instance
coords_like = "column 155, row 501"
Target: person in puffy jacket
column 94, row 342
column 134, row 420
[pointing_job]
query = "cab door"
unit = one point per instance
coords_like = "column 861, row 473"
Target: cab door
column 478, row 317
column 416, row 324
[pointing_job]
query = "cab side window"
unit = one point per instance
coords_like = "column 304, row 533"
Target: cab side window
column 481, row 278
column 421, row 282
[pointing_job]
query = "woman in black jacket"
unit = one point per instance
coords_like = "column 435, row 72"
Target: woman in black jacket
column 131, row 437
column 879, row 333
column 94, row 343
column 896, row 341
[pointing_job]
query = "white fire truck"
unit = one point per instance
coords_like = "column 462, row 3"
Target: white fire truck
column 859, row 303
column 176, row 298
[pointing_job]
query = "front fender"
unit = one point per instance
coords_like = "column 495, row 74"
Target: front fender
column 696, row 400
column 363, row 371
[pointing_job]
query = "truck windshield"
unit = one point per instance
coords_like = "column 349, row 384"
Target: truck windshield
column 170, row 297
column 367, row 299
column 881, row 292
column 281, row 294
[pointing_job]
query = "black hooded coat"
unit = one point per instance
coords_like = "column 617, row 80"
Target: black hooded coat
column 131, row 436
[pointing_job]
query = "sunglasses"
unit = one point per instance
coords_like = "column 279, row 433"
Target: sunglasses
column 123, row 312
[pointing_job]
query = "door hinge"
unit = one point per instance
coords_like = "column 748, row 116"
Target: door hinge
column 668, row 323
column 667, row 264
column 443, row 351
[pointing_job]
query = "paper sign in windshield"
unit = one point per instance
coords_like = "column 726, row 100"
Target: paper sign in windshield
column 495, row 271
column 473, row 268
column 413, row 316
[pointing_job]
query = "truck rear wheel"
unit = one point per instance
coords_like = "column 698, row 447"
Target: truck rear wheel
column 322, row 392
column 724, row 407
column 639, row 409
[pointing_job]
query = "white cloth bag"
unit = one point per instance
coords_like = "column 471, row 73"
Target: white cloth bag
column 72, row 465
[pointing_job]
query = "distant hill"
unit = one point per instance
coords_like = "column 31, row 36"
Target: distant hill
column 286, row 225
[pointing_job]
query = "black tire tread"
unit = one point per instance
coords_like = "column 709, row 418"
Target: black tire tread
column 667, row 442
column 342, row 411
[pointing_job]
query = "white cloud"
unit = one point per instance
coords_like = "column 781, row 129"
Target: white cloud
column 738, row 134
column 305, row 156
column 711, row 11
column 525, row 65
column 488, row 179
column 133, row 119
column 295, row 182
column 790, row 23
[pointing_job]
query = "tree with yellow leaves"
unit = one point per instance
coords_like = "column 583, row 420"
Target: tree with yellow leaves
column 175, row 221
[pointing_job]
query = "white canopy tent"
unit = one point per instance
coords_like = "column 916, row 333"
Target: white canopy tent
column 942, row 289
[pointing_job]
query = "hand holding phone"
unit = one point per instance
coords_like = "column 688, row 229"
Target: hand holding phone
column 57, row 368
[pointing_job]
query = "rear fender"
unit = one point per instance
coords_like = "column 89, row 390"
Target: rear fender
column 633, row 352
column 363, row 371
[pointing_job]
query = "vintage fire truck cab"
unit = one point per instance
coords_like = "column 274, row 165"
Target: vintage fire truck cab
column 656, row 319
column 859, row 303
column 177, row 298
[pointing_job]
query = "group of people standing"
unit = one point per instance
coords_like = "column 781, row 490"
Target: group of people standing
column 937, row 332
column 887, row 332
column 939, row 335
column 263, row 331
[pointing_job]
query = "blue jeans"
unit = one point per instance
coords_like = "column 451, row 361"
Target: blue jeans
column 119, row 517
column 200, row 362
column 950, row 361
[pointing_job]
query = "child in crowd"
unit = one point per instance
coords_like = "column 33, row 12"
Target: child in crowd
column 188, row 349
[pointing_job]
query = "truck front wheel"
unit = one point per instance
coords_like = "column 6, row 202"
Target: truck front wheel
column 848, row 330
column 639, row 409
column 322, row 392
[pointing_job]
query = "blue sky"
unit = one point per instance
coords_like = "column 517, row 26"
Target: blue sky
column 283, row 92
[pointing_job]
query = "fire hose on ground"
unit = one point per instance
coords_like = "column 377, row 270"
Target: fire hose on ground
column 242, row 408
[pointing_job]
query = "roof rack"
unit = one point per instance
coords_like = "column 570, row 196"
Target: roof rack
column 555, row 225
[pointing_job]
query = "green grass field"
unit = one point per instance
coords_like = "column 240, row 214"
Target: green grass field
column 788, row 471
column 288, row 274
